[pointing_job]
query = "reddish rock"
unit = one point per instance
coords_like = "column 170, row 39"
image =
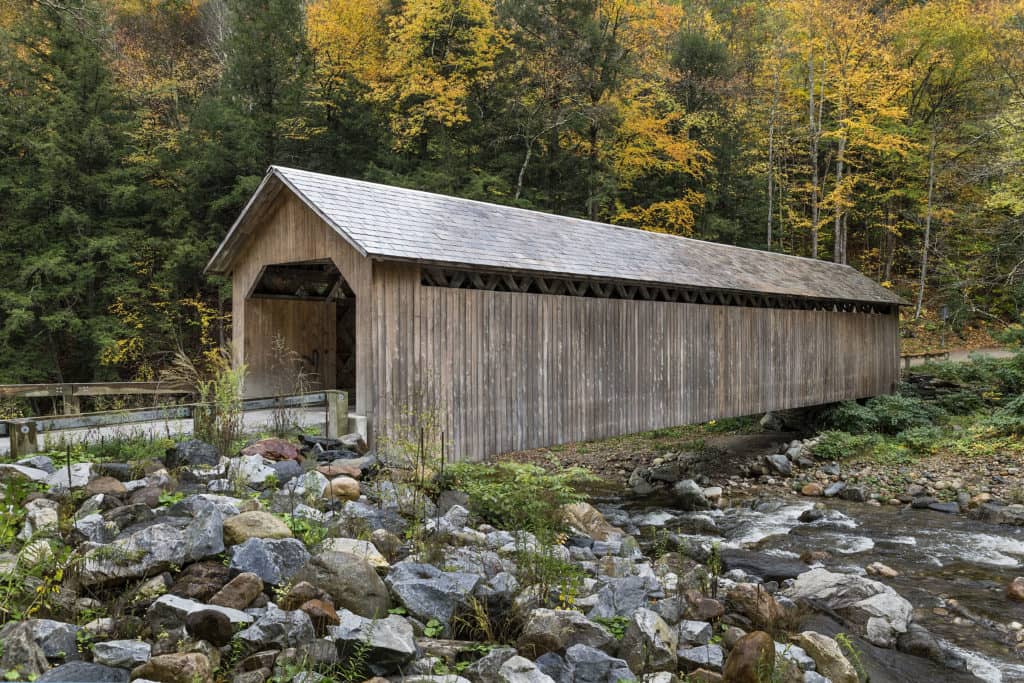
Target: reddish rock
column 334, row 470
column 322, row 615
column 754, row 653
column 105, row 485
column 1015, row 591
column 702, row 608
column 812, row 489
column 273, row 449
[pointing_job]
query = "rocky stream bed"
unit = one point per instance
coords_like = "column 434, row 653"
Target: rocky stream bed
column 276, row 565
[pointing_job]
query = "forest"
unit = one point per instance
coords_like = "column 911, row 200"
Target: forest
column 886, row 135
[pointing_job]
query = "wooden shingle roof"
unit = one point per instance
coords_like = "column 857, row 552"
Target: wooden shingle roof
column 392, row 223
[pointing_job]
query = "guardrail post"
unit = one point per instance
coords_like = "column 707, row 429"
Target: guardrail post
column 23, row 438
column 337, row 412
column 72, row 404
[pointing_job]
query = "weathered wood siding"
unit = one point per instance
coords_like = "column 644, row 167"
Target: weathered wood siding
column 510, row 371
column 291, row 234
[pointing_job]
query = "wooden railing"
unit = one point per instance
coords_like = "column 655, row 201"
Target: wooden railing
column 71, row 394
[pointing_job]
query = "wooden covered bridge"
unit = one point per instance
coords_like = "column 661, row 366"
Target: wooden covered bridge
column 522, row 329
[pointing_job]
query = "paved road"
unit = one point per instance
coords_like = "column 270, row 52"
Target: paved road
column 961, row 355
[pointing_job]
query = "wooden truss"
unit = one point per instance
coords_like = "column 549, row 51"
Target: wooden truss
column 542, row 284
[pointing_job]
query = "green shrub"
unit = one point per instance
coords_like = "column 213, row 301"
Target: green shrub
column 518, row 496
column 837, row 445
column 1009, row 420
column 897, row 413
column 852, row 417
column 963, row 402
column 920, row 440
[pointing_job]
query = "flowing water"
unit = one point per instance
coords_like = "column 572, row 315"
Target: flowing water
column 954, row 570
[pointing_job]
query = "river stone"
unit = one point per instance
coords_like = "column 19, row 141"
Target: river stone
column 210, row 625
column 274, row 561
column 191, row 667
column 588, row 665
column 753, row 653
column 80, row 474
column 689, row 496
column 364, row 550
column 56, row 638
column 41, row 517
column 620, row 597
column 21, row 653
column 948, row 508
column 343, row 488
column 239, row 591
column 993, row 513
column 84, row 672
column 780, row 463
column 352, row 583
column 649, row 644
column 124, row 654
column 756, row 604
column 169, row 612
column 709, row 657
column 278, row 629
column 587, row 519
column 389, row 642
column 857, row 494
column 918, row 641
column 555, row 630
column 795, row 654
column 156, row 548
column 521, row 670
column 833, row 490
column 828, row 657
column 694, row 632
column 881, row 612
column 1015, row 589
column 254, row 524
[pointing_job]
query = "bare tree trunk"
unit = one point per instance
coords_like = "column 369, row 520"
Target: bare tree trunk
column 838, row 236
column 927, row 227
column 522, row 169
column 771, row 155
column 815, row 135
column 889, row 248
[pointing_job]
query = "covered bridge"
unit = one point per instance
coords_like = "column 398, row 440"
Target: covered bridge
column 521, row 329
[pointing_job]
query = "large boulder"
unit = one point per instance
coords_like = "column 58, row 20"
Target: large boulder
column 880, row 612
column 273, row 449
column 588, row 665
column 555, row 630
column 21, row 652
column 239, row 592
column 169, row 612
column 274, row 561
column 387, row 644
column 752, row 655
column 56, row 639
column 429, row 593
column 828, row 657
column 41, row 517
column 254, row 524
column 278, row 629
column 192, row 453
column 351, row 582
column 767, row 567
column 689, row 496
column 174, row 541
column 649, row 644
column 485, row 669
column 364, row 550
column 620, row 597
column 754, row 603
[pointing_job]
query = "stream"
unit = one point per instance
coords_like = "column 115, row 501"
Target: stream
column 954, row 570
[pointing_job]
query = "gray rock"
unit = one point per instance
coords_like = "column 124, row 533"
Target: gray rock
column 8, row 471
column 156, row 548
column 124, row 654
column 689, row 495
column 649, row 644
column 169, row 612
column 521, row 670
column 795, row 654
column 485, row 669
column 56, row 638
column 710, row 657
column 80, row 474
column 21, row 652
column 858, row 494
column 587, row 665
column 555, row 630
column 833, row 490
column 352, row 582
column 780, row 463
column 875, row 608
column 287, row 470
column 994, row 513
column 357, row 518
column 948, row 508
column 767, row 567
column 40, row 518
column 554, row 666
column 278, row 629
column 429, row 593
column 38, row 462
column 815, row 677
column 620, row 597
column 389, row 642
column 84, row 672
column 694, row 632
column 251, row 471
column 831, row 469
column 95, row 529
column 192, row 453
column 918, row 641
column 274, row 561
